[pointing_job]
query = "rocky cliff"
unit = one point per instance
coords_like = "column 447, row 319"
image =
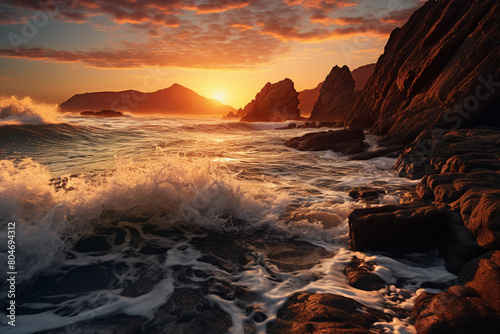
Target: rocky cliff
column 336, row 96
column 339, row 93
column 276, row 102
column 174, row 100
column 441, row 68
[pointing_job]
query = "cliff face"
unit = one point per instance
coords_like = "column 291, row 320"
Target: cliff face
column 274, row 103
column 441, row 68
column 175, row 100
column 336, row 97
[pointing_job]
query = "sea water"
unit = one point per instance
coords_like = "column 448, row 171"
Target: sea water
column 183, row 224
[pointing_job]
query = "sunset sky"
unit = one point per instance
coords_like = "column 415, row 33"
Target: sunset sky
column 224, row 49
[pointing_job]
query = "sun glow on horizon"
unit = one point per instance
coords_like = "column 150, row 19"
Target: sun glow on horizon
column 220, row 96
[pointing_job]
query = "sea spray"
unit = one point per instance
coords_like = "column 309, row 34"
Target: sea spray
column 17, row 111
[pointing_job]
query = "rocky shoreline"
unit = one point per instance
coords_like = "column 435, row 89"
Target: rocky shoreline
column 454, row 210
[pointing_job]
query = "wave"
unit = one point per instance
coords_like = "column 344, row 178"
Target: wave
column 58, row 212
column 16, row 111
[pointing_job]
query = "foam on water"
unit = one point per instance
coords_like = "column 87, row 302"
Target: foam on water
column 16, row 111
column 156, row 224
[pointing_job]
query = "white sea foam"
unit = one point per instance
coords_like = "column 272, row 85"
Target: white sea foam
column 16, row 111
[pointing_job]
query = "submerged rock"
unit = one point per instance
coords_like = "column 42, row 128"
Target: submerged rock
column 274, row 103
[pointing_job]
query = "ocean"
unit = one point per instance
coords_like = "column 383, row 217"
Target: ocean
column 166, row 224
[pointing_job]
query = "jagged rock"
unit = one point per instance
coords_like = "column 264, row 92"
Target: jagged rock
column 274, row 103
column 460, row 310
column 360, row 275
column 323, row 313
column 441, row 68
column 336, row 97
column 349, row 141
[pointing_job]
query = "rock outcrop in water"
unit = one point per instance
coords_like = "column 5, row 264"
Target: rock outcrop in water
column 102, row 113
column 276, row 102
column 441, row 68
column 348, row 141
column 174, row 100
column 336, row 97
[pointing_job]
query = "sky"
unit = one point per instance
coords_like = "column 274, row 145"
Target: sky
column 222, row 49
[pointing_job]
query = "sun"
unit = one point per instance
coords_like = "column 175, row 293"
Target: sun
column 219, row 96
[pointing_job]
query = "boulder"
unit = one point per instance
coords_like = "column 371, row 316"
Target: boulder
column 274, row 103
column 360, row 275
column 460, row 310
column 396, row 228
column 348, row 141
column 323, row 313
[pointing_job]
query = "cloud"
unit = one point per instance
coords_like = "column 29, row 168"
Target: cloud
column 215, row 34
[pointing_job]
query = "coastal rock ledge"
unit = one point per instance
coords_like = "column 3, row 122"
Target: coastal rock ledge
column 455, row 209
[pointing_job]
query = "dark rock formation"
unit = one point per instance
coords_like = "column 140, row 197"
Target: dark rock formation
column 323, row 313
column 230, row 115
column 360, row 275
column 460, row 310
column 347, row 142
column 175, row 100
column 442, row 67
column 102, row 113
column 439, row 150
column 486, row 280
column 274, row 103
column 365, row 192
column 336, row 97
column 396, row 228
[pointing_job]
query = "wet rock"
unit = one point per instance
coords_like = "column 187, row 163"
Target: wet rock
column 365, row 192
column 288, row 127
column 460, row 310
column 360, row 275
column 274, row 103
column 323, row 313
column 391, row 152
column 327, row 125
column 486, row 280
column 396, row 228
column 308, row 125
column 349, row 141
